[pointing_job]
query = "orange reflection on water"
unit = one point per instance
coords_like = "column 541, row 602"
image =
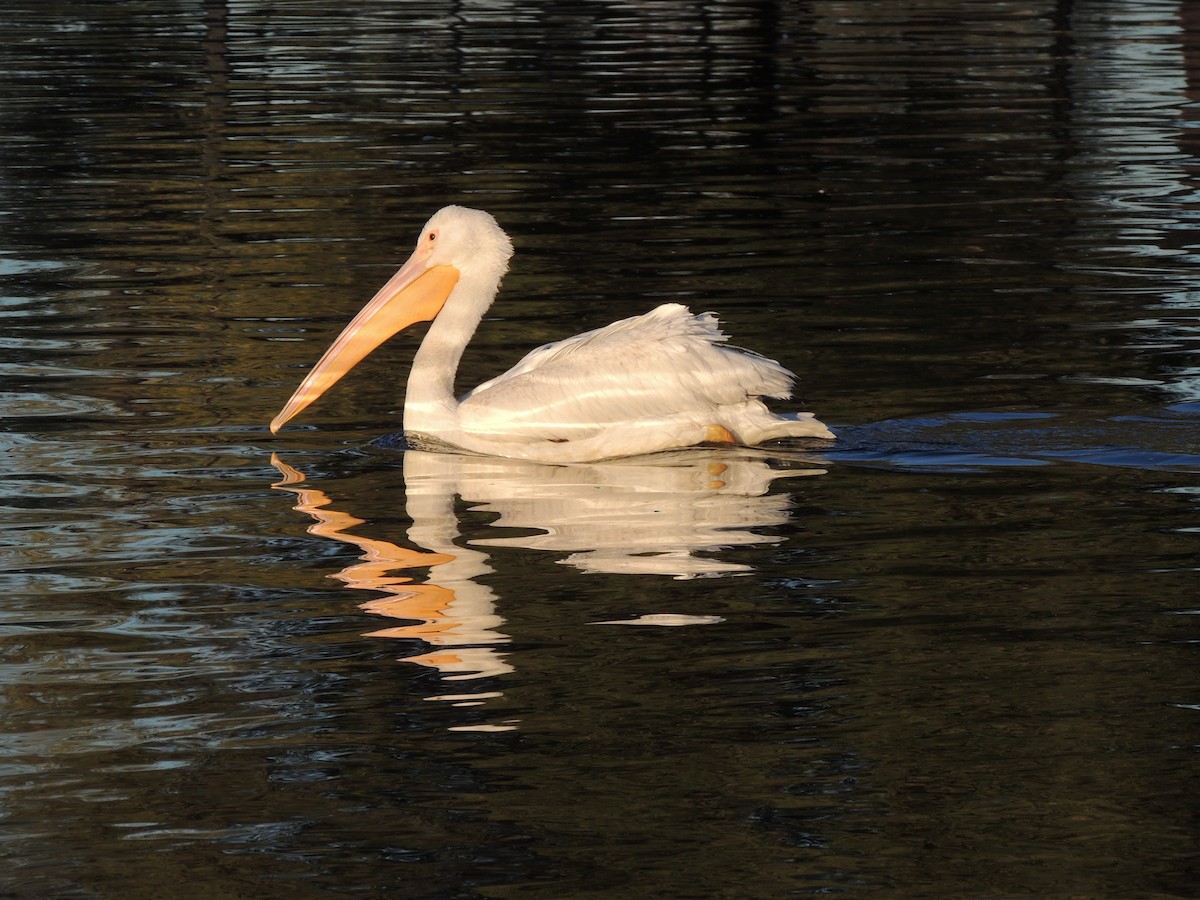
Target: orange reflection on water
column 454, row 620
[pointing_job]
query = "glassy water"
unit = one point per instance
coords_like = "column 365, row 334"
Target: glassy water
column 953, row 655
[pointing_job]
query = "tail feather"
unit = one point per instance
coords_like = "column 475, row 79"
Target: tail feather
column 803, row 424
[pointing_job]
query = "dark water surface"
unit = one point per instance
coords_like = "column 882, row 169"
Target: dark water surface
column 953, row 656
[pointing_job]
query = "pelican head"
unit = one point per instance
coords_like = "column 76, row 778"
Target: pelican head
column 470, row 240
column 456, row 244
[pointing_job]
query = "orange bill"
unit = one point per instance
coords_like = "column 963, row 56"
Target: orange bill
column 414, row 294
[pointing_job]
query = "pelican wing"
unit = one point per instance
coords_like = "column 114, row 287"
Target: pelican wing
column 665, row 365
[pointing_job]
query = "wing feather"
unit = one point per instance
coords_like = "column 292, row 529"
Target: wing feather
column 664, row 364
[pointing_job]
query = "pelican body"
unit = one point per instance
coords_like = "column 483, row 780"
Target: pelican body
column 664, row 380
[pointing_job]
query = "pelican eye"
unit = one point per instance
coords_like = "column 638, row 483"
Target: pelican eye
column 432, row 236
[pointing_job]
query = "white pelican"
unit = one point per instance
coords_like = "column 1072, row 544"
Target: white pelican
column 659, row 381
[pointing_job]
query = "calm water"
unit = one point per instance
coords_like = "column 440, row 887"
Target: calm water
column 952, row 656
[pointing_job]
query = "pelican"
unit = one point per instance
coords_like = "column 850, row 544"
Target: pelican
column 664, row 380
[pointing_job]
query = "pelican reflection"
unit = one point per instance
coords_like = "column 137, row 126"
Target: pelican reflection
column 654, row 515
column 666, row 515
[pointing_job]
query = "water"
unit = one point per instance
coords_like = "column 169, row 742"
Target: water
column 953, row 655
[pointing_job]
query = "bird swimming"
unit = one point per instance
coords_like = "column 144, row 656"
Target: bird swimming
column 663, row 380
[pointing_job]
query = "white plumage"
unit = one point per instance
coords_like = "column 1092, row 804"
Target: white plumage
column 659, row 381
